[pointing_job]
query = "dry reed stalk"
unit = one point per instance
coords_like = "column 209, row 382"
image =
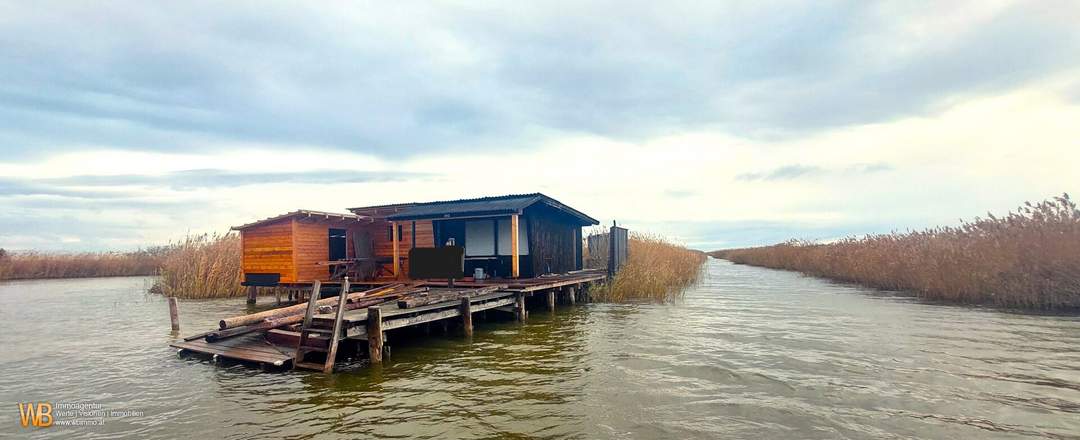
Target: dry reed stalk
column 1029, row 259
column 202, row 266
column 656, row 270
column 39, row 265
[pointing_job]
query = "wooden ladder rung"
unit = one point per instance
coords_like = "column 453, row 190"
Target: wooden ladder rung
column 333, row 335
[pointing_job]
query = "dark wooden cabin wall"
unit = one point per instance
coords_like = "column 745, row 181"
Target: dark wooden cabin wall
column 552, row 240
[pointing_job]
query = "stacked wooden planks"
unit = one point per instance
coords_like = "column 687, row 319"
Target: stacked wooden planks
column 442, row 295
column 283, row 316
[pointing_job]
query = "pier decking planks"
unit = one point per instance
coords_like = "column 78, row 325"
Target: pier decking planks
column 248, row 348
column 256, row 348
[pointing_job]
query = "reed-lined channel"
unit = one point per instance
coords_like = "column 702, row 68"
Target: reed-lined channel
column 750, row 353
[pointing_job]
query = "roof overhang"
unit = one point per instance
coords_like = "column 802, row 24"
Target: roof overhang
column 307, row 214
column 454, row 209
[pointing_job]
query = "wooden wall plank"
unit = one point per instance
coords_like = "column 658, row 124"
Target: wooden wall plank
column 268, row 249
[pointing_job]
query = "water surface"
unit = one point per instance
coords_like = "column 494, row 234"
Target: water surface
column 749, row 353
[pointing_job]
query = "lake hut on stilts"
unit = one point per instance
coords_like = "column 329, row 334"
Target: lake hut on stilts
column 409, row 264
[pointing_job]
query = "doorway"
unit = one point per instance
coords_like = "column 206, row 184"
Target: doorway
column 338, row 245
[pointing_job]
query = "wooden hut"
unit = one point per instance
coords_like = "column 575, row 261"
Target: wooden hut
column 524, row 235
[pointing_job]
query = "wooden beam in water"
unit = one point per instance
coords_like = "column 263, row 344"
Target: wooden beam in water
column 174, row 314
column 375, row 334
column 519, row 307
column 466, row 315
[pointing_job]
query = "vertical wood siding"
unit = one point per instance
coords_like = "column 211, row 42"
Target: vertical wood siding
column 269, row 249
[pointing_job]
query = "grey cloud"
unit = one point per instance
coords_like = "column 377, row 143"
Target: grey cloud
column 796, row 171
column 211, row 178
column 409, row 80
column 786, row 172
column 19, row 187
column 680, row 193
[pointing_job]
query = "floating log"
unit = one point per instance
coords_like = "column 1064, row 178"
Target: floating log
column 253, row 318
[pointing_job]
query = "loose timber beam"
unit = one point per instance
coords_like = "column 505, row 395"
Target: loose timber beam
column 397, row 252
column 515, row 259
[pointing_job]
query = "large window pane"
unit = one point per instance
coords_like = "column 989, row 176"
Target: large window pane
column 479, row 238
column 504, row 237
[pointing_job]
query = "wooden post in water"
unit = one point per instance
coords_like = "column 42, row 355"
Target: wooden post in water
column 519, row 306
column 251, row 294
column 551, row 299
column 374, row 334
column 570, row 294
column 466, row 315
column 277, row 295
column 174, row 313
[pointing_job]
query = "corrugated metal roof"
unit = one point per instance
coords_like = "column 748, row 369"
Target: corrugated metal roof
column 508, row 204
column 302, row 213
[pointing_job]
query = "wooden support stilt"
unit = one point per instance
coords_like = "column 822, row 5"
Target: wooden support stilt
column 174, row 314
column 466, row 316
column 551, row 299
column 374, row 334
column 277, row 296
column 570, row 295
column 519, row 307
column 252, row 293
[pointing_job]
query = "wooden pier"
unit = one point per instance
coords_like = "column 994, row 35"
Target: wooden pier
column 320, row 332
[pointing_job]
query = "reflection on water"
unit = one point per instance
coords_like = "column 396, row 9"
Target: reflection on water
column 750, row 353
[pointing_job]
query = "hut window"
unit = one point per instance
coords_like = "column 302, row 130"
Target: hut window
column 479, row 238
column 504, row 237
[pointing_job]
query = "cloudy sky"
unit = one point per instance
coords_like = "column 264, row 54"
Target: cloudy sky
column 125, row 124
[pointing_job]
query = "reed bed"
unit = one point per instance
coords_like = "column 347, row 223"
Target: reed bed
column 656, row 270
column 1028, row 259
column 38, row 265
column 202, row 266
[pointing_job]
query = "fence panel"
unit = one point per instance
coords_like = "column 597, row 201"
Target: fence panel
column 619, row 242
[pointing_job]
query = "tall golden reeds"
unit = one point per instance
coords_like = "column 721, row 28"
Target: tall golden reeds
column 37, row 265
column 202, row 266
column 656, row 269
column 1028, row 259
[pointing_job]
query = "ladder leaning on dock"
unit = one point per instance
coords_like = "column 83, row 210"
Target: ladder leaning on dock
column 332, row 335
